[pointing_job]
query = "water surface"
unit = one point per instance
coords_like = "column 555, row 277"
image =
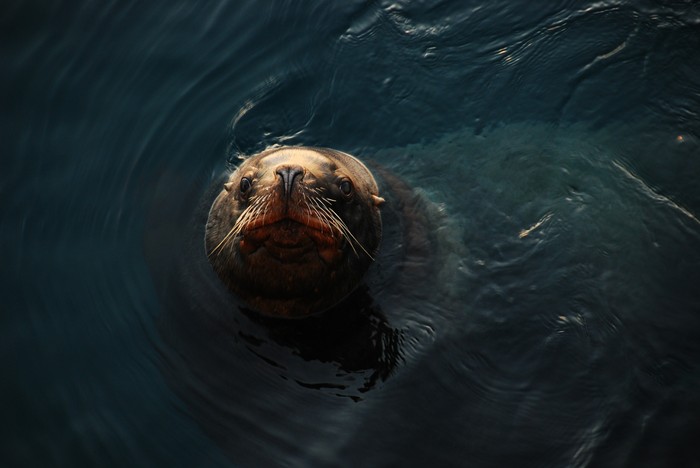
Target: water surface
column 546, row 314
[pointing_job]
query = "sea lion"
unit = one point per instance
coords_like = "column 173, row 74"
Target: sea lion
column 294, row 229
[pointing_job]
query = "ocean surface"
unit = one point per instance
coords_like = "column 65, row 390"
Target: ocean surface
column 536, row 303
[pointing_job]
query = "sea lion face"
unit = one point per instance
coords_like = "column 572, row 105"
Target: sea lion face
column 294, row 229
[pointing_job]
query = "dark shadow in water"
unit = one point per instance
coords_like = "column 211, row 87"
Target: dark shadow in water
column 258, row 385
column 241, row 376
column 213, row 335
column 354, row 335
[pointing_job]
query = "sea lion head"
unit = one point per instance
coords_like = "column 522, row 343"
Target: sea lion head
column 294, row 229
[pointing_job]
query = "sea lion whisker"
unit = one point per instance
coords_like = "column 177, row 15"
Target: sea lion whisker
column 233, row 232
column 340, row 225
column 308, row 208
column 337, row 221
column 322, row 216
column 218, row 246
column 346, row 230
column 329, row 215
column 331, row 220
column 252, row 210
column 236, row 229
column 263, row 205
column 259, row 208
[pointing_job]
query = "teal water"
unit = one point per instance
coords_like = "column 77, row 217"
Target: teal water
column 552, row 318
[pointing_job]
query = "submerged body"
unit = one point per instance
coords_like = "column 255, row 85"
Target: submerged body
column 294, row 229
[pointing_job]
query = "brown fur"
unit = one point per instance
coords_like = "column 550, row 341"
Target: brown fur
column 288, row 240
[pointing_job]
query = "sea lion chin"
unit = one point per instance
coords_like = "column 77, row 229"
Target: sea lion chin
column 294, row 229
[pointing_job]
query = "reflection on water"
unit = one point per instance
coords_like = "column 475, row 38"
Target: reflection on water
column 535, row 301
column 356, row 338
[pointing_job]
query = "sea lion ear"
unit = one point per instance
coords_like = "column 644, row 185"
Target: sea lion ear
column 377, row 200
column 228, row 186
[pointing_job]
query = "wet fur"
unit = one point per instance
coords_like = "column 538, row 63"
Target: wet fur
column 345, row 232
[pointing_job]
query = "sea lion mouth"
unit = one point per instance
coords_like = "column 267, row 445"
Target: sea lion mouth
column 289, row 240
column 290, row 220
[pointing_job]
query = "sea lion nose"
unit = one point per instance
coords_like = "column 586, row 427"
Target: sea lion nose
column 289, row 175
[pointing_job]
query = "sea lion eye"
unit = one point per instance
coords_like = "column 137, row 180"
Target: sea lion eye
column 345, row 187
column 245, row 185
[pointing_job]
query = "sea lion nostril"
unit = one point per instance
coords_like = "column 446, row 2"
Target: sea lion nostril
column 288, row 175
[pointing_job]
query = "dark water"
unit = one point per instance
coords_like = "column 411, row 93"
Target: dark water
column 543, row 309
